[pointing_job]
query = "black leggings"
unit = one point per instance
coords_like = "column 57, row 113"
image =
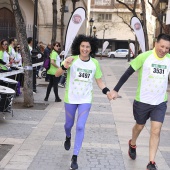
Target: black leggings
column 52, row 83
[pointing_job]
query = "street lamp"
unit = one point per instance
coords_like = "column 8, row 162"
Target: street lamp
column 74, row 3
column 104, row 29
column 91, row 24
column 34, row 51
column 94, row 31
column 162, row 6
column 141, row 19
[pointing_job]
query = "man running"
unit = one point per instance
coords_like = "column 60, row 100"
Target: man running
column 151, row 98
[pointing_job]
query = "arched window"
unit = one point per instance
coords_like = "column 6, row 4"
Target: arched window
column 7, row 24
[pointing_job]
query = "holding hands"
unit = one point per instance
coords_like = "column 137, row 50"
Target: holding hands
column 112, row 95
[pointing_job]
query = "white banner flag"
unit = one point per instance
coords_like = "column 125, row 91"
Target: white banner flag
column 137, row 27
column 73, row 27
column 105, row 45
column 132, row 48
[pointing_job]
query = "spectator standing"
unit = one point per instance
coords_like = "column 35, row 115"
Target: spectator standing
column 54, row 65
column 47, row 52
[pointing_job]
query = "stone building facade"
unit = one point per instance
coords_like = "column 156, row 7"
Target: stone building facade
column 45, row 18
column 112, row 22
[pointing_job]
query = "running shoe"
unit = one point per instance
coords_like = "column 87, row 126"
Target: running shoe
column 61, row 85
column 45, row 99
column 74, row 164
column 58, row 100
column 132, row 151
column 67, row 143
column 151, row 166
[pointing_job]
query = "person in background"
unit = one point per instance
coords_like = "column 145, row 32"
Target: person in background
column 40, row 55
column 47, row 52
column 151, row 98
column 18, row 58
column 81, row 70
column 55, row 64
column 30, row 44
column 18, row 63
column 11, row 49
column 4, row 55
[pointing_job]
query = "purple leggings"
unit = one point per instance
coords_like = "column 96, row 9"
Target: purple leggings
column 83, row 112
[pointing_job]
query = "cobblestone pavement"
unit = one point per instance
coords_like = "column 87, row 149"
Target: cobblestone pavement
column 38, row 135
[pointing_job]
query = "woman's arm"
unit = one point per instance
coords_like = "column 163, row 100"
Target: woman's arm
column 53, row 62
column 103, row 87
column 59, row 72
column 100, row 83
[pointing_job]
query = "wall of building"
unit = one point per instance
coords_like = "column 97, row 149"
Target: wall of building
column 45, row 17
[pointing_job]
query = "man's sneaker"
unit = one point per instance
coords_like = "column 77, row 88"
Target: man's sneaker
column 151, row 166
column 67, row 143
column 132, row 151
column 74, row 164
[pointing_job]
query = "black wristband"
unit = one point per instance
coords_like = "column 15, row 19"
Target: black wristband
column 63, row 68
column 105, row 90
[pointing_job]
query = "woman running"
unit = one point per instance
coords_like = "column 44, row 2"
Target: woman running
column 81, row 70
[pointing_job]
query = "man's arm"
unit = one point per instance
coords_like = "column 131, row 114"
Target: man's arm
column 122, row 80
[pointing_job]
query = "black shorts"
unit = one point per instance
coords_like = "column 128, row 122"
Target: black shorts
column 142, row 112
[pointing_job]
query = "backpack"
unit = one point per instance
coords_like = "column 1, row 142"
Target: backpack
column 47, row 63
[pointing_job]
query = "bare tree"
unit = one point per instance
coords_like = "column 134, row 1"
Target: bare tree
column 22, row 37
column 158, row 17
column 132, row 9
column 54, row 28
column 62, row 22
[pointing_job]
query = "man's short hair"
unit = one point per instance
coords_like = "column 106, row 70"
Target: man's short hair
column 29, row 39
column 10, row 40
column 165, row 37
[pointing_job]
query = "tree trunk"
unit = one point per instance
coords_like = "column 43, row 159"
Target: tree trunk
column 144, row 25
column 22, row 37
column 54, row 29
column 62, row 23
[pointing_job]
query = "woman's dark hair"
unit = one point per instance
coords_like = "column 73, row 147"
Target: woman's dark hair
column 2, row 42
column 165, row 37
column 75, row 48
column 54, row 43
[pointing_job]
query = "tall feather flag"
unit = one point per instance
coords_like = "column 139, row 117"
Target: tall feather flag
column 105, row 45
column 76, row 20
column 137, row 27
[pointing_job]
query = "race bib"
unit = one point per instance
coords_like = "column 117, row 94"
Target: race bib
column 158, row 71
column 83, row 74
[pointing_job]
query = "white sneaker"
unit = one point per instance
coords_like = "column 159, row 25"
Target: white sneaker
column 61, row 85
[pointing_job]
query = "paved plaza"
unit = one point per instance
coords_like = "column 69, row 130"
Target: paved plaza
column 37, row 135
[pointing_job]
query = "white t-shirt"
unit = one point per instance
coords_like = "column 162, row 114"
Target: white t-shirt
column 152, row 77
column 6, row 57
column 18, row 58
column 79, row 85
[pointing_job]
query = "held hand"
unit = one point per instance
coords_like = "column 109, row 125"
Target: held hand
column 114, row 94
column 68, row 62
column 109, row 96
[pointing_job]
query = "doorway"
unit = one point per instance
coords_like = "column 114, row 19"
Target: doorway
column 7, row 24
